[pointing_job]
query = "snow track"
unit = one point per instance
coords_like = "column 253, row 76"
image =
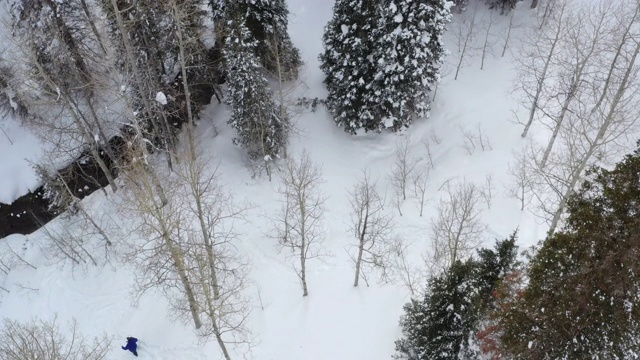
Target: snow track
column 155, row 351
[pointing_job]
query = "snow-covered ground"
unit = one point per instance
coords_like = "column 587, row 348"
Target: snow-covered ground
column 18, row 149
column 336, row 321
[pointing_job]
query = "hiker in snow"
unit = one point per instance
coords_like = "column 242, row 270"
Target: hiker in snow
column 131, row 345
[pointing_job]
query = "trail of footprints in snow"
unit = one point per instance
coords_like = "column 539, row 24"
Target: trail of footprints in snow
column 156, row 352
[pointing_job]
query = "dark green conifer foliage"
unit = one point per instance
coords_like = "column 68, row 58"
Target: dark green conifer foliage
column 267, row 21
column 505, row 6
column 443, row 325
column 381, row 60
column 349, row 66
column 582, row 298
column 254, row 114
column 409, row 51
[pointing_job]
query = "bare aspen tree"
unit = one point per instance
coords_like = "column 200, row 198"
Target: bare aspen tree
column 193, row 172
column 589, row 136
column 81, row 233
column 220, row 272
column 10, row 260
column 299, row 226
column 179, row 18
column 225, row 318
column 210, row 204
column 487, row 190
column 584, row 40
column 548, row 11
column 404, row 270
column 626, row 17
column 507, row 36
column 475, row 139
column 488, row 41
column 522, row 180
column 427, row 148
column 71, row 63
column 373, row 230
column 162, row 226
column 552, row 182
column 465, row 33
column 420, row 185
column 216, row 269
column 39, row 339
column 287, row 110
column 78, row 235
column 457, row 228
column 611, row 122
column 68, row 123
column 217, row 274
column 142, row 82
column 470, row 140
column 68, row 243
column 538, row 54
column 401, row 171
column 483, row 139
column 435, row 137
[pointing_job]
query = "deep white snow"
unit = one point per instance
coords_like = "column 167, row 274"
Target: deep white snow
column 336, row 321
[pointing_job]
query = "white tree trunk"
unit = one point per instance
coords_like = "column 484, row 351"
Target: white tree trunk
column 543, row 74
column 361, row 247
column 597, row 140
column 576, row 77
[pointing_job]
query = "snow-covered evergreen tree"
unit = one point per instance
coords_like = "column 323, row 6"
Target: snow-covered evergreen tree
column 57, row 83
column 267, row 21
column 349, row 67
column 41, row 26
column 218, row 9
column 143, row 36
column 439, row 328
column 409, row 52
column 443, row 325
column 201, row 69
column 505, row 6
column 583, row 290
column 254, row 114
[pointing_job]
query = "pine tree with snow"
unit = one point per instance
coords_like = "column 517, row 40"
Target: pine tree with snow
column 143, row 37
column 581, row 299
column 439, row 328
column 443, row 325
column 349, row 67
column 494, row 265
column 505, row 6
column 415, row 337
column 409, row 52
column 267, row 21
column 218, row 9
column 254, row 116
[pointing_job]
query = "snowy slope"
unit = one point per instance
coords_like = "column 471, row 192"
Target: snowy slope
column 336, row 321
column 18, row 148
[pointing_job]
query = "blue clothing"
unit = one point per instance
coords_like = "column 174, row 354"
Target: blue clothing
column 131, row 345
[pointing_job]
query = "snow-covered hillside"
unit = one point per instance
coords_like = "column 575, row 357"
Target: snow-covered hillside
column 336, row 320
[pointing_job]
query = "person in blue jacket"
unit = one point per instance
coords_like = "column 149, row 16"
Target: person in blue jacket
column 131, row 345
